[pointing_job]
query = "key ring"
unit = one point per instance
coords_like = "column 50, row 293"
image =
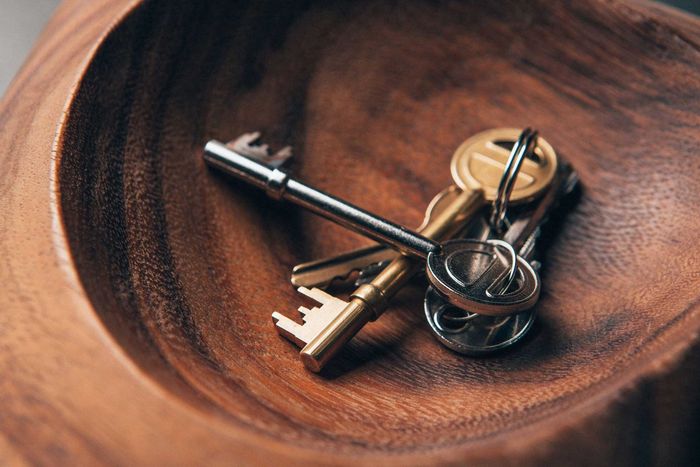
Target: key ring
column 525, row 145
column 439, row 315
column 441, row 320
column 513, row 263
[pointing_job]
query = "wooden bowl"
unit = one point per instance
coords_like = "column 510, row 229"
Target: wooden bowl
column 139, row 285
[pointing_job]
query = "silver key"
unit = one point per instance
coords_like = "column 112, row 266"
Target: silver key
column 322, row 272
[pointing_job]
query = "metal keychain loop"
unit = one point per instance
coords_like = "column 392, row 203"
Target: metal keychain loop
column 525, row 145
column 512, row 272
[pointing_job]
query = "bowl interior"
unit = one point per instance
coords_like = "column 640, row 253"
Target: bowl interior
column 185, row 267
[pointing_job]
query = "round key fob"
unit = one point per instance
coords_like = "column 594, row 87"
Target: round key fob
column 478, row 163
column 471, row 274
column 478, row 334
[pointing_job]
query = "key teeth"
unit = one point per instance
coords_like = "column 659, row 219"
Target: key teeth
column 317, row 295
column 244, row 141
column 315, row 319
column 250, row 145
column 284, row 153
column 287, row 328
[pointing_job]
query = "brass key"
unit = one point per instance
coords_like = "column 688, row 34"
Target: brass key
column 477, row 167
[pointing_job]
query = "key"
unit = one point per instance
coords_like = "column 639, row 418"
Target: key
column 322, row 272
column 443, row 267
column 475, row 334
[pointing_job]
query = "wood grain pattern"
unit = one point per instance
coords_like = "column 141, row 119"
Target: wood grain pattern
column 138, row 285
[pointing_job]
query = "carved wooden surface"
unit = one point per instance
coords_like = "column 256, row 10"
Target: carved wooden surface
column 138, row 285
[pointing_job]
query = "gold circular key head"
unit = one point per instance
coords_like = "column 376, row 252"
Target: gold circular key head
column 478, row 164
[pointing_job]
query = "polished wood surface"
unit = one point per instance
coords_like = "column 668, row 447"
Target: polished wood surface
column 138, row 285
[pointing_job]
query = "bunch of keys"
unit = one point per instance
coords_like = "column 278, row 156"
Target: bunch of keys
column 479, row 277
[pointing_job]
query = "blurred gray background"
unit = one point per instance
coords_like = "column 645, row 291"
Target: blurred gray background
column 21, row 22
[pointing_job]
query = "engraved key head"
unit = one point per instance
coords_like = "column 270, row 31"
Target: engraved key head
column 478, row 164
column 471, row 275
column 473, row 334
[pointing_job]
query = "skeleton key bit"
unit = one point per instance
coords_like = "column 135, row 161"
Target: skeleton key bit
column 250, row 145
column 315, row 319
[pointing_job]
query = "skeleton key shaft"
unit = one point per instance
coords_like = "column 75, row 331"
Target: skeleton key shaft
column 281, row 186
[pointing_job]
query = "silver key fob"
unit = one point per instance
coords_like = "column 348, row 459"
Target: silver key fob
column 473, row 334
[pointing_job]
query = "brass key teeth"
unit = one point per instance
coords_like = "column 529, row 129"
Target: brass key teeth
column 314, row 319
column 321, row 273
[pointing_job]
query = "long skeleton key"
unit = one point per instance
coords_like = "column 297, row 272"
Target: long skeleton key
column 474, row 334
column 444, row 267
